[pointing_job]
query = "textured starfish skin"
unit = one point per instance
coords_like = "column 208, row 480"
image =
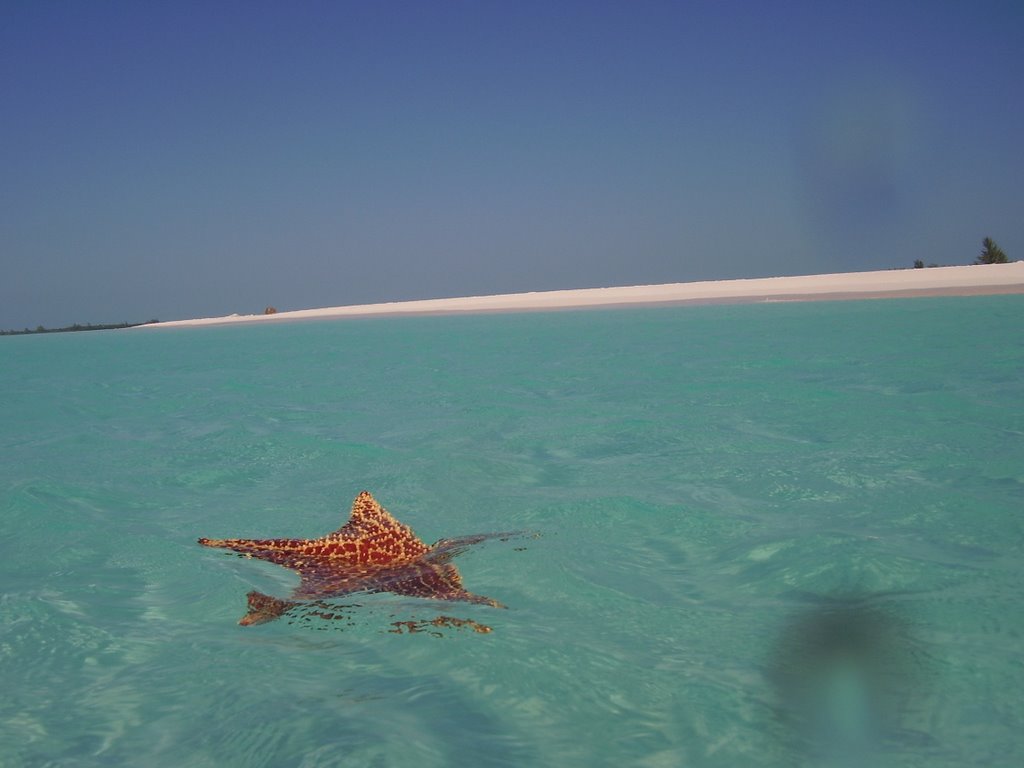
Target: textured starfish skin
column 372, row 552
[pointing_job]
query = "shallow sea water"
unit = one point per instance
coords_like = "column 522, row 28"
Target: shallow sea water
column 764, row 535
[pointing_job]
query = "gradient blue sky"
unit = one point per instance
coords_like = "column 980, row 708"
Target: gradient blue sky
column 185, row 159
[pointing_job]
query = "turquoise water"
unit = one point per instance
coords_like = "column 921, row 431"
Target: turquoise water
column 766, row 535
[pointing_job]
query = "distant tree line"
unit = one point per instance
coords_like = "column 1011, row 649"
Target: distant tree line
column 76, row 327
column 991, row 253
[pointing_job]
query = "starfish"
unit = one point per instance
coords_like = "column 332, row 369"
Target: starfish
column 372, row 552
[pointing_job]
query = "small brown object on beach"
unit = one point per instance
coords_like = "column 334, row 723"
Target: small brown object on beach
column 269, row 311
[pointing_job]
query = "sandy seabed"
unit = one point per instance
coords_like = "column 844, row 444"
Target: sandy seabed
column 935, row 281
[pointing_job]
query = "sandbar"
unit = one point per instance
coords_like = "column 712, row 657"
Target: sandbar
column 983, row 279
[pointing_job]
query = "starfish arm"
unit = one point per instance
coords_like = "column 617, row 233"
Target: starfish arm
column 264, row 608
column 239, row 545
column 386, row 540
column 280, row 551
column 455, row 595
column 435, row 582
column 457, row 545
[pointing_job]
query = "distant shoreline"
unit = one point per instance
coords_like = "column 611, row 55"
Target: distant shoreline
column 76, row 328
column 972, row 280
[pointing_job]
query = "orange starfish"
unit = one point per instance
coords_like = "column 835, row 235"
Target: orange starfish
column 372, row 552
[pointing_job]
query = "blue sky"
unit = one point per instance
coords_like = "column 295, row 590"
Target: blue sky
column 184, row 159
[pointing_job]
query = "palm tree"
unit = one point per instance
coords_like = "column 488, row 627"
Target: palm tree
column 991, row 253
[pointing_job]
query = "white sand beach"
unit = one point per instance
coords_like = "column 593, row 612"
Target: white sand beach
column 935, row 281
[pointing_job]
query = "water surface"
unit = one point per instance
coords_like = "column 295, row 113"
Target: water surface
column 769, row 535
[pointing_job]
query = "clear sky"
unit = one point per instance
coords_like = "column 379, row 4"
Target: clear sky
column 184, row 159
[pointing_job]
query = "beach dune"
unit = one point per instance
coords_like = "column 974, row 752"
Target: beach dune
column 935, row 281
